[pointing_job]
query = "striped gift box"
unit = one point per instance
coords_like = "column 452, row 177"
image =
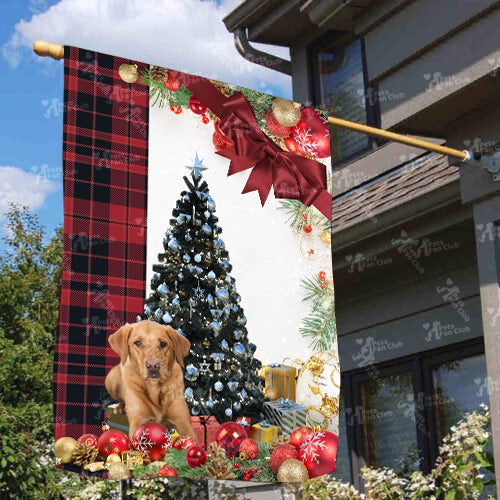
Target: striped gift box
column 286, row 414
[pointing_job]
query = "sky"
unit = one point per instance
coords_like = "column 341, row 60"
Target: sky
column 186, row 35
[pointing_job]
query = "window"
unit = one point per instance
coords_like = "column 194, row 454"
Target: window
column 397, row 413
column 339, row 85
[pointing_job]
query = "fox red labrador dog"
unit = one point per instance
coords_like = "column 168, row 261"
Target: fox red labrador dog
column 148, row 383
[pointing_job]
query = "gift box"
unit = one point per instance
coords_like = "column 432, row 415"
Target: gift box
column 280, row 381
column 286, row 414
column 205, row 428
column 245, row 422
column 264, row 432
column 117, row 420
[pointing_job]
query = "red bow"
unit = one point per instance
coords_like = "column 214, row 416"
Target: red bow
column 291, row 176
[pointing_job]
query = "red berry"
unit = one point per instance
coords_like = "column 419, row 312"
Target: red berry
column 322, row 275
column 245, row 472
column 304, row 217
column 237, row 465
column 307, row 228
column 176, row 109
column 246, row 478
column 322, row 285
column 205, row 120
column 327, row 282
column 253, row 471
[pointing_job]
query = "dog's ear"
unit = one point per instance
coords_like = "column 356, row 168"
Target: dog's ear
column 119, row 341
column 181, row 345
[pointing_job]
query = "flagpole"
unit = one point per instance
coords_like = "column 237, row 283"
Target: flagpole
column 55, row 51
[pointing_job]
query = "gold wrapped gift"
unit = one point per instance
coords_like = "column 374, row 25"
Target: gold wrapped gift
column 280, row 381
column 264, row 432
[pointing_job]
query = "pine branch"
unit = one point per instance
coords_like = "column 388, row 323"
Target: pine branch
column 161, row 96
column 320, row 327
column 295, row 210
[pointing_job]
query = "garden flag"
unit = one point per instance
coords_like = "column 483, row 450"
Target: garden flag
column 196, row 328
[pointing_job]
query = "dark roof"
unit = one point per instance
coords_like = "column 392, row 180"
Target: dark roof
column 410, row 181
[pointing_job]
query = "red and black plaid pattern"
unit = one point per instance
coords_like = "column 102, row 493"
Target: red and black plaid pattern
column 105, row 200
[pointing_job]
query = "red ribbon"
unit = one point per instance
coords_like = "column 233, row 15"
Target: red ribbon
column 291, row 176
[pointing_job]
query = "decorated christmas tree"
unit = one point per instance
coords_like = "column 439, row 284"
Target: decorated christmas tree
column 193, row 291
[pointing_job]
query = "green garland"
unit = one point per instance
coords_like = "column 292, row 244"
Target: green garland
column 320, row 324
column 295, row 210
column 161, row 96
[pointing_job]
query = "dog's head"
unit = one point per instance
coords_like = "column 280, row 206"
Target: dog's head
column 151, row 348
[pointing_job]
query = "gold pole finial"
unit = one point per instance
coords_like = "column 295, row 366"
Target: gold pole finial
column 43, row 48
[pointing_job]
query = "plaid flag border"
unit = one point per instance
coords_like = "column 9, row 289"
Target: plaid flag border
column 105, row 168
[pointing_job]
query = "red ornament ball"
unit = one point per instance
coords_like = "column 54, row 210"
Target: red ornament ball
column 307, row 228
column 152, row 439
column 281, row 453
column 299, row 434
column 221, row 141
column 171, row 83
column 322, row 275
column 168, row 471
column 196, row 456
column 246, row 478
column 112, row 441
column 237, row 465
column 229, row 436
column 253, row 471
column 196, row 106
column 275, row 126
column 183, row 442
column 250, row 447
column 311, row 134
column 319, row 453
column 89, row 440
column 176, row 109
column 292, row 146
column 205, row 119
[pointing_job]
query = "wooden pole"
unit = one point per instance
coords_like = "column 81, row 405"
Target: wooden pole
column 392, row 136
column 45, row 49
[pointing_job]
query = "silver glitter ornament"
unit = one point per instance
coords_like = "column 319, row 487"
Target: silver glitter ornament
column 174, row 245
column 191, row 373
column 163, row 290
column 166, row 318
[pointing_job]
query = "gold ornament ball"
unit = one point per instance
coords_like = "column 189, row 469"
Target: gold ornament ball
column 118, row 470
column 326, row 237
column 113, row 459
column 292, row 471
column 64, row 449
column 128, row 72
column 286, row 112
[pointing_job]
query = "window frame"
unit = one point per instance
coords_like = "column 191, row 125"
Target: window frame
column 338, row 39
column 420, row 364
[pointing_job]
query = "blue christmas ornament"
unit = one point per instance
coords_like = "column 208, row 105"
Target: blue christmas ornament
column 197, row 258
column 188, row 237
column 210, row 404
column 216, row 326
column 224, row 345
column 228, row 412
column 211, row 205
column 218, row 386
column 239, row 349
column 185, row 198
column 242, row 320
column 176, row 303
column 228, row 279
column 158, row 314
column 206, row 214
column 183, row 218
column 174, row 245
column 206, row 229
column 225, row 263
column 238, row 334
column 227, row 311
column 186, row 258
column 216, row 313
column 180, row 276
column 237, row 406
column 166, row 318
column 210, row 299
column 163, row 290
column 222, row 294
column 191, row 373
column 195, row 410
column 147, row 310
column 233, row 385
column 211, row 275
column 243, row 393
column 188, row 393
